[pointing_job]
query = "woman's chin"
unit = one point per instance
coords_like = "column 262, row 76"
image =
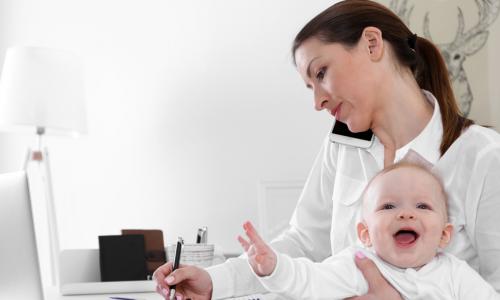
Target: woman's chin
column 352, row 127
column 356, row 128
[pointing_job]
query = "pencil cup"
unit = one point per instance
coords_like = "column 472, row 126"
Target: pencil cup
column 200, row 255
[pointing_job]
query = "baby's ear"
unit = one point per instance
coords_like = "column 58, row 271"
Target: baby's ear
column 446, row 235
column 364, row 234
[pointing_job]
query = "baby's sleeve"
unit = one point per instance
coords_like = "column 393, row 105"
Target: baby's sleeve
column 299, row 278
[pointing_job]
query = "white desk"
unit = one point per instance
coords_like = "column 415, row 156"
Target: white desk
column 53, row 294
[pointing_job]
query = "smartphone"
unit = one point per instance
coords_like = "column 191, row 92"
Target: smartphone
column 341, row 134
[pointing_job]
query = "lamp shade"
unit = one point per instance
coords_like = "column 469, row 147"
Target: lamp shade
column 42, row 87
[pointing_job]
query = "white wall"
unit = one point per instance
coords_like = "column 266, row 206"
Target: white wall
column 191, row 104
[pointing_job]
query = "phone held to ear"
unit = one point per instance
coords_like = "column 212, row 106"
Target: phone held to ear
column 340, row 134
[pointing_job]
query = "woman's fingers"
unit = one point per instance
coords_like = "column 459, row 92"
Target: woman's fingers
column 181, row 274
column 369, row 270
column 162, row 291
column 378, row 287
column 160, row 274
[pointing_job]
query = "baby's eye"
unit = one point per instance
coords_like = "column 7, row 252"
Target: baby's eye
column 388, row 206
column 423, row 206
column 321, row 74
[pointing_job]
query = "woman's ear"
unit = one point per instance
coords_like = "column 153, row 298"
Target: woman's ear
column 372, row 42
column 446, row 235
column 364, row 234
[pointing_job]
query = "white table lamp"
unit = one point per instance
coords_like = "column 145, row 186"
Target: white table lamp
column 42, row 90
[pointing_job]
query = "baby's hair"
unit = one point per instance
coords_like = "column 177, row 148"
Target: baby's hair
column 411, row 163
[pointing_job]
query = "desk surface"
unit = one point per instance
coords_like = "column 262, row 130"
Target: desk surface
column 53, row 294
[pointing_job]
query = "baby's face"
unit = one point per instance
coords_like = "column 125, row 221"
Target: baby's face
column 405, row 217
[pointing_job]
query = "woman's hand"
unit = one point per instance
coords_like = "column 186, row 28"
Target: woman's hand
column 191, row 282
column 378, row 287
column 261, row 257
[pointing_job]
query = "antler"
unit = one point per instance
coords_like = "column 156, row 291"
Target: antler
column 427, row 31
column 401, row 9
column 460, row 29
column 488, row 12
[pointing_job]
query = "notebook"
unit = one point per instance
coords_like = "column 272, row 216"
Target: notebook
column 122, row 257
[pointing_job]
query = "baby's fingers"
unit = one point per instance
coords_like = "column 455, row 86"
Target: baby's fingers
column 244, row 243
column 252, row 234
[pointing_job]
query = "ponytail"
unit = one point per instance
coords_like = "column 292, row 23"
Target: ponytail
column 431, row 74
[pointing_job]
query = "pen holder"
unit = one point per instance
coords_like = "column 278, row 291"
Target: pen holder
column 200, row 255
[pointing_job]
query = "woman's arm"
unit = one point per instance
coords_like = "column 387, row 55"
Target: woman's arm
column 487, row 225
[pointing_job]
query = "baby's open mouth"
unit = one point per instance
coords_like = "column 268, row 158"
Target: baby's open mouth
column 405, row 237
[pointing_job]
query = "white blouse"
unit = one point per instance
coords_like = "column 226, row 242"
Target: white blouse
column 329, row 207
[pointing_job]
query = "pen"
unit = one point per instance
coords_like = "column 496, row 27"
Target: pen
column 177, row 259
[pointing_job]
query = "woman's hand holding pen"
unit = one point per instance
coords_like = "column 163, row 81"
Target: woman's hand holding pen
column 191, row 282
column 261, row 257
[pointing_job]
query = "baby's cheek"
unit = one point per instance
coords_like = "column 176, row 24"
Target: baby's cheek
column 381, row 244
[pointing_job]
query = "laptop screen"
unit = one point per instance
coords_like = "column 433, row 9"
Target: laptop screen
column 19, row 272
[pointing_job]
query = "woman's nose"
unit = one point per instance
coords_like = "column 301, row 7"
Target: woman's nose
column 320, row 100
column 320, row 104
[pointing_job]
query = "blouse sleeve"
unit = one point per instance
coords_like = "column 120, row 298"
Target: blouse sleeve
column 308, row 234
column 468, row 284
column 487, row 225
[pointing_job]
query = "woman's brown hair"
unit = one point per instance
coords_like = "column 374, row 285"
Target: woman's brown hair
column 344, row 23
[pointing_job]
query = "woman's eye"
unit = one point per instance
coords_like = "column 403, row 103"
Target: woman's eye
column 321, row 74
column 423, row 206
column 388, row 206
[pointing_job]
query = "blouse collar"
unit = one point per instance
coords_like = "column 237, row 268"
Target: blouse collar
column 427, row 143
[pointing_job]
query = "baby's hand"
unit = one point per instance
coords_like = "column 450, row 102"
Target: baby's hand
column 261, row 257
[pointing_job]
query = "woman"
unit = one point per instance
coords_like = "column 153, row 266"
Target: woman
column 368, row 70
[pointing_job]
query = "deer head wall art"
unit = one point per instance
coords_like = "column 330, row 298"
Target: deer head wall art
column 465, row 43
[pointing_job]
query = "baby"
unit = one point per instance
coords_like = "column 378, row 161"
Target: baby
column 404, row 225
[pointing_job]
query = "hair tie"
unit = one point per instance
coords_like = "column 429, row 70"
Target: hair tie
column 412, row 41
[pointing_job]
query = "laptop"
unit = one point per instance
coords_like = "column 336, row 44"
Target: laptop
column 19, row 266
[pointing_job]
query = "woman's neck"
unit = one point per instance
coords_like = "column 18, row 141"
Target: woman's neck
column 403, row 113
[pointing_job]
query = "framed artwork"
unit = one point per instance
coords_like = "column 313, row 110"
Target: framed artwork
column 468, row 35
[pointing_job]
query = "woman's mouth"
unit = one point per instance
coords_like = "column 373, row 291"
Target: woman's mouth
column 336, row 111
column 405, row 238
